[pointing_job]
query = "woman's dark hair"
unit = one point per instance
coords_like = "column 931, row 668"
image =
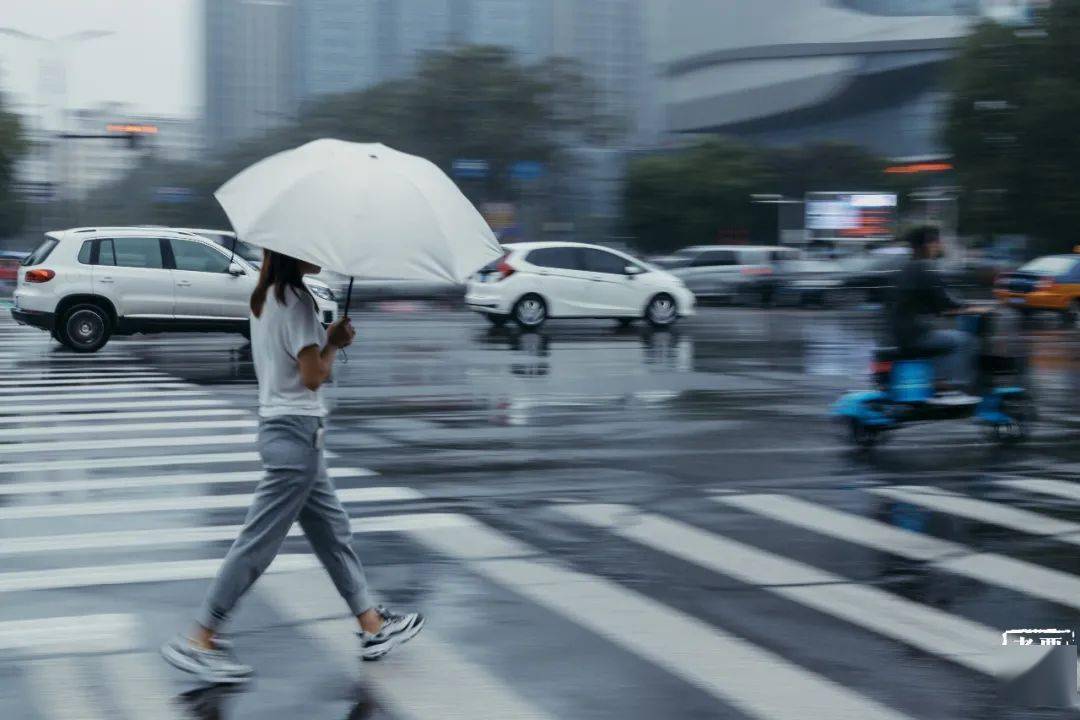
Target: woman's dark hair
column 279, row 272
column 921, row 236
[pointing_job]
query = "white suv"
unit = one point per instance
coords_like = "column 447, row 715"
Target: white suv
column 539, row 280
column 86, row 284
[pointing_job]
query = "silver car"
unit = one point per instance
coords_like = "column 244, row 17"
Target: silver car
column 729, row 272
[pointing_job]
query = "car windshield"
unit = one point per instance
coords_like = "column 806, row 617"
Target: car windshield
column 1051, row 265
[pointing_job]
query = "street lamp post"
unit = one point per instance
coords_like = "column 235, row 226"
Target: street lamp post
column 52, row 80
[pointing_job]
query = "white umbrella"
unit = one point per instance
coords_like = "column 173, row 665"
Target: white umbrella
column 362, row 210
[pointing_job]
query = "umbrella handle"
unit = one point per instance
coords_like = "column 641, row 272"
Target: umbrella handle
column 348, row 297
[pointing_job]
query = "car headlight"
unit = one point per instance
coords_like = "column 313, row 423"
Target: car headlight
column 322, row 292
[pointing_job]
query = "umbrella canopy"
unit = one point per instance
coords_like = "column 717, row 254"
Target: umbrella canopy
column 362, row 210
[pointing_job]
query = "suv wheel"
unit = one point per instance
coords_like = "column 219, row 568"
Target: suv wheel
column 84, row 328
column 661, row 311
column 530, row 312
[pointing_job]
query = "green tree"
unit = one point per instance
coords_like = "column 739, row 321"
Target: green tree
column 704, row 193
column 1011, row 127
column 12, row 145
column 473, row 102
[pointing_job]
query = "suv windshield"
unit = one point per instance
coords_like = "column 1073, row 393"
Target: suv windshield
column 1052, row 265
column 41, row 252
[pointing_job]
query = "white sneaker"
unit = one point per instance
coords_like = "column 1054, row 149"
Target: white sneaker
column 953, row 398
column 396, row 629
column 212, row 666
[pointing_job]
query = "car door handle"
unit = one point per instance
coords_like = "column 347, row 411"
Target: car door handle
column 105, row 280
column 183, row 283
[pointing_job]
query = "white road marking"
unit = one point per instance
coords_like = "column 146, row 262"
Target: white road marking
column 1063, row 489
column 169, row 537
column 754, row 680
column 954, row 638
column 51, row 407
column 126, row 483
column 57, row 446
column 104, row 428
column 103, row 390
column 188, row 502
column 87, row 381
column 106, row 416
column 429, row 680
column 49, row 371
column 123, row 462
column 172, row 571
column 989, row 568
column 61, row 690
column 77, row 634
column 106, row 394
column 138, row 684
column 987, row 512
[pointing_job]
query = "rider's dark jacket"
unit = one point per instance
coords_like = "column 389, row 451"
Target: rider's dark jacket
column 919, row 294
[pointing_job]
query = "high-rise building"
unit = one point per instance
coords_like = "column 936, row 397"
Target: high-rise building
column 251, row 65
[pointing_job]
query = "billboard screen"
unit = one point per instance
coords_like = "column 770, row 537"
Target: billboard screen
column 837, row 216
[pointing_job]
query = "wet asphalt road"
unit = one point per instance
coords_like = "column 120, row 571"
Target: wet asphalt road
column 598, row 524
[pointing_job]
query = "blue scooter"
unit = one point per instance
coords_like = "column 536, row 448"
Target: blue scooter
column 905, row 394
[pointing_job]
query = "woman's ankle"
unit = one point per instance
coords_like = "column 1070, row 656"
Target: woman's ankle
column 370, row 621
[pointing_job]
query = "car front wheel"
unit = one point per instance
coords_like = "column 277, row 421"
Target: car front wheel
column 662, row 311
column 84, row 328
column 530, row 312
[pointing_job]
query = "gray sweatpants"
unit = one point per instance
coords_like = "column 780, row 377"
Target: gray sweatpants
column 295, row 488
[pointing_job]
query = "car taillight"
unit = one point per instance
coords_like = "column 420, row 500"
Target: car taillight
column 756, row 271
column 39, row 276
column 1045, row 284
column 504, row 269
column 879, row 367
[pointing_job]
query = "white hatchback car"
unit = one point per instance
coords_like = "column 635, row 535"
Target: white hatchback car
column 86, row 284
column 535, row 281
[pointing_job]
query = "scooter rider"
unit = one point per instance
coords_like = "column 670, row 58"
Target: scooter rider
column 919, row 296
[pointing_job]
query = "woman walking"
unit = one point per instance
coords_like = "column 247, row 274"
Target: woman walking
column 293, row 358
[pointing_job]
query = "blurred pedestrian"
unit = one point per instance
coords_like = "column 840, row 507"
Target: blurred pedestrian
column 293, row 358
column 920, row 295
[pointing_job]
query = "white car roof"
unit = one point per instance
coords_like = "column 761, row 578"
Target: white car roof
column 155, row 230
column 536, row 245
column 702, row 248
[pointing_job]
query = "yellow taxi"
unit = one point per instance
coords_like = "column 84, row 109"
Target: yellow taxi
column 1051, row 282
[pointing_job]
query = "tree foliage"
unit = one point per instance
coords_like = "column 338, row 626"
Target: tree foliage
column 474, row 102
column 12, row 146
column 1011, row 127
column 704, row 193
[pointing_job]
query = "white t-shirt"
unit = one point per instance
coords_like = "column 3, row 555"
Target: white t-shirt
column 277, row 337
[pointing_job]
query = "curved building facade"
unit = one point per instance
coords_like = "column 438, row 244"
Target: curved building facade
column 792, row 71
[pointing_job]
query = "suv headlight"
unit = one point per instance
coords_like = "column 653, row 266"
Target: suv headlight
column 322, row 292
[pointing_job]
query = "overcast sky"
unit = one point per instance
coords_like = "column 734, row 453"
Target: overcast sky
column 152, row 61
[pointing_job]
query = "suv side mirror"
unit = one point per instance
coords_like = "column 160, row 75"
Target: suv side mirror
column 632, row 270
column 235, row 270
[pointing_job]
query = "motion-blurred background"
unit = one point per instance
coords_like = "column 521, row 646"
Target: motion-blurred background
column 644, row 124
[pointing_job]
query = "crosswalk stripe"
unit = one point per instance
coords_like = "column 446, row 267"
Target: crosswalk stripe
column 1057, row 488
column 82, row 633
column 47, row 420
column 751, row 678
column 432, row 681
column 61, row 689
column 125, row 462
column 169, row 571
column 52, row 407
column 156, row 481
column 169, row 537
column 139, row 687
column 98, row 429
column 987, row 512
column 127, row 443
column 49, row 371
column 956, row 639
column 86, row 381
column 188, row 502
column 102, row 390
column 107, row 394
column 988, row 568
